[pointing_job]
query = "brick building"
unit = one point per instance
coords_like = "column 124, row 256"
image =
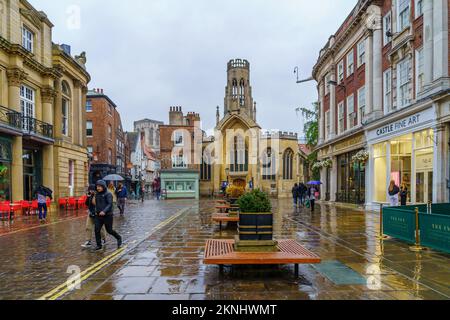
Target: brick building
column 383, row 82
column 105, row 136
column 179, row 140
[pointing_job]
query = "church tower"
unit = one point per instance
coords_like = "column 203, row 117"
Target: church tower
column 238, row 93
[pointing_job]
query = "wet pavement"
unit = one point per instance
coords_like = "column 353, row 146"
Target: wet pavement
column 166, row 262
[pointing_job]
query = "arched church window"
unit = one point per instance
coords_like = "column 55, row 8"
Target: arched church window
column 269, row 165
column 239, row 155
column 288, row 164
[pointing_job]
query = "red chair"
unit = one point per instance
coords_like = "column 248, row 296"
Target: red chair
column 15, row 207
column 72, row 203
column 35, row 206
column 62, row 203
column 26, row 207
column 81, row 202
column 5, row 208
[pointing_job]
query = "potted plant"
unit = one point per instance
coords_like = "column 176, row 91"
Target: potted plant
column 255, row 223
column 234, row 193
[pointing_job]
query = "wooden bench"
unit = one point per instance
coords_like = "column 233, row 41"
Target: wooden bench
column 223, row 217
column 221, row 252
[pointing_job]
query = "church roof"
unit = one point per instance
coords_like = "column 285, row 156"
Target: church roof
column 250, row 123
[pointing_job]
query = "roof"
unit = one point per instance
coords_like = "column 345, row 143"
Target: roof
column 305, row 149
column 94, row 94
column 149, row 153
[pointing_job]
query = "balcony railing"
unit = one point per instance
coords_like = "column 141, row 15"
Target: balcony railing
column 238, row 168
column 36, row 127
column 11, row 118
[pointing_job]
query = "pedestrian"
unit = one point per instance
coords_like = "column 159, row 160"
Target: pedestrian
column 312, row 197
column 104, row 214
column 393, row 194
column 41, row 194
column 112, row 189
column 90, row 222
column 295, row 195
column 142, row 193
column 122, row 195
column 158, row 188
column 302, row 193
column 403, row 194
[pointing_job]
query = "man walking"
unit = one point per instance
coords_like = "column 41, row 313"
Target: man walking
column 90, row 222
column 104, row 214
column 42, row 193
column 302, row 193
column 122, row 195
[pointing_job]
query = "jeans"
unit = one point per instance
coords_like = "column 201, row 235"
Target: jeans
column 106, row 221
column 121, row 205
column 90, row 223
column 42, row 207
column 295, row 201
column 313, row 203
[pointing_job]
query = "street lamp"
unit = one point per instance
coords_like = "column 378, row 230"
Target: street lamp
column 296, row 71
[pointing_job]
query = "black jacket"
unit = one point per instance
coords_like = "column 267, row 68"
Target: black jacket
column 395, row 191
column 104, row 203
column 90, row 205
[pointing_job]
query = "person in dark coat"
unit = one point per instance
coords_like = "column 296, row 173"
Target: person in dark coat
column 104, row 214
column 122, row 195
column 302, row 193
column 295, row 194
column 90, row 222
column 403, row 194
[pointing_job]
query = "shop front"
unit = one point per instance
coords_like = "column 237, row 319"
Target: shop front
column 180, row 184
column 32, row 172
column 351, row 179
column 5, row 168
column 404, row 152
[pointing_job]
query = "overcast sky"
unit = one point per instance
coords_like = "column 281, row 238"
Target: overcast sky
column 149, row 55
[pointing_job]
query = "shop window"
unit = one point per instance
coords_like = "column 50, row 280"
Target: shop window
column 380, row 169
column 401, row 156
column 424, row 160
column 71, row 179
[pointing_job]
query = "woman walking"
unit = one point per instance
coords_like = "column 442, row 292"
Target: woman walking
column 312, row 197
column 403, row 194
column 393, row 193
column 122, row 195
column 295, row 194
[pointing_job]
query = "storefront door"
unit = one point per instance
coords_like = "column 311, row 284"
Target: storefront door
column 5, row 169
column 32, row 173
column 424, row 186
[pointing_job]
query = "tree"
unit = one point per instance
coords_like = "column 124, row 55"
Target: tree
column 311, row 129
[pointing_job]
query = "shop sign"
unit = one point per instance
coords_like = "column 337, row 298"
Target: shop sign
column 349, row 143
column 402, row 124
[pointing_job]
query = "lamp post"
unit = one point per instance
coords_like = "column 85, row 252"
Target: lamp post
column 227, row 172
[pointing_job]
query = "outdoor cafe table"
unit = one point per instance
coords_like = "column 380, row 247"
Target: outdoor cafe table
column 223, row 209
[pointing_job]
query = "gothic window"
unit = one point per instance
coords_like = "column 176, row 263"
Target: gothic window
column 242, row 92
column 288, row 165
column 235, row 89
column 205, row 167
column 239, row 155
column 269, row 165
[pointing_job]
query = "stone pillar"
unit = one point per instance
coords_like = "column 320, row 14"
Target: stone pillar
column 440, row 39
column 48, row 168
column 332, row 104
column 15, row 78
column 333, row 180
column 369, row 73
column 428, row 41
column 57, row 129
column 440, row 165
column 377, row 74
column 322, row 112
column 323, row 179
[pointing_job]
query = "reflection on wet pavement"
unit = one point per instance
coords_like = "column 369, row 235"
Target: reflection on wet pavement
column 168, row 263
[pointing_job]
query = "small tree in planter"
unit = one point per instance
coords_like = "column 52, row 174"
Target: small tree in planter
column 255, row 223
column 234, row 193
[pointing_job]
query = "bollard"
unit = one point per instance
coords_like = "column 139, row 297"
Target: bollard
column 417, row 247
column 382, row 236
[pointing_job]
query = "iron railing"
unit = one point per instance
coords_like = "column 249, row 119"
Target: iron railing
column 235, row 168
column 33, row 126
column 11, row 118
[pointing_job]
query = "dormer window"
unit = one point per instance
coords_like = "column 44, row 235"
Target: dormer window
column 27, row 39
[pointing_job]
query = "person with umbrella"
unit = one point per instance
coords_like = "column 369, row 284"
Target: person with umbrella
column 313, row 193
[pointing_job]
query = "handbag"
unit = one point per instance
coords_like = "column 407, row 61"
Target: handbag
column 317, row 195
column 308, row 204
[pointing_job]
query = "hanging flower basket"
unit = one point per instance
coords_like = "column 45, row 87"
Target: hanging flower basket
column 328, row 163
column 361, row 156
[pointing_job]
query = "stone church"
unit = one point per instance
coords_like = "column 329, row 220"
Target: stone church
column 243, row 154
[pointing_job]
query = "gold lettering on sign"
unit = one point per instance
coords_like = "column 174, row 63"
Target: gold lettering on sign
column 348, row 143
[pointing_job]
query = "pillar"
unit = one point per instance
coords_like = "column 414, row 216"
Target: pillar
column 15, row 78
column 332, row 104
column 440, row 165
column 369, row 74
column 333, row 180
column 428, row 41
column 48, row 162
column 440, row 39
column 322, row 85
column 323, row 179
column 377, row 74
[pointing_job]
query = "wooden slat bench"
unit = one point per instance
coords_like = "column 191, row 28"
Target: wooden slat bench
column 221, row 252
column 224, row 217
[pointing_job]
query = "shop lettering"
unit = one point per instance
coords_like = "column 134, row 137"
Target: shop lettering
column 397, row 126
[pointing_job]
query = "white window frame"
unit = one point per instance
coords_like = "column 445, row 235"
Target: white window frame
column 420, row 72
column 361, row 52
column 341, row 117
column 179, row 162
column 27, row 101
column 341, row 71
column 91, row 128
column 27, row 39
column 90, row 150
column 89, row 106
column 418, row 13
column 361, row 104
column 387, row 91
column 403, row 87
column 350, row 63
column 351, row 113
column 65, row 113
column 403, row 12
column 387, row 19
column 178, row 138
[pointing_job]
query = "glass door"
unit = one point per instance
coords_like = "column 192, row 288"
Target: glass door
column 424, row 186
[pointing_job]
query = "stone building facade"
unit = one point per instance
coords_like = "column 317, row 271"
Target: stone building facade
column 42, row 94
column 150, row 128
column 383, row 84
column 105, row 136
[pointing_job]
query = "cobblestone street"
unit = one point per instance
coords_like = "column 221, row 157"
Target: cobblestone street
column 167, row 263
